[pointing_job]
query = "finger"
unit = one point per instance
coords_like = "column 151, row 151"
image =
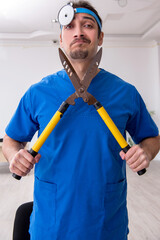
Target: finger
column 135, row 164
column 129, row 156
column 25, row 159
column 17, row 170
column 37, row 157
column 131, row 152
column 27, row 156
column 20, row 164
column 143, row 162
column 140, row 167
column 134, row 154
column 24, row 164
column 122, row 155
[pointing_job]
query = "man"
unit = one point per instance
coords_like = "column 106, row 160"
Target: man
column 80, row 181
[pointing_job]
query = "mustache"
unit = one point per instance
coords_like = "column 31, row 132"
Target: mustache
column 80, row 39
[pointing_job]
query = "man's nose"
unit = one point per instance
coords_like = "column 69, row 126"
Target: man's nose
column 78, row 32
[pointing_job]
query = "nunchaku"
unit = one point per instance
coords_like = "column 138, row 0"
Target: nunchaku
column 81, row 91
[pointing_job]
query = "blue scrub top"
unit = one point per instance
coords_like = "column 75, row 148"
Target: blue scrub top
column 80, row 182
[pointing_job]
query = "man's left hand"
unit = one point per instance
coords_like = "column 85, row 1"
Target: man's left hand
column 136, row 158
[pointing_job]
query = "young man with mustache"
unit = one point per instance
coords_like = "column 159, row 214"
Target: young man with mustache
column 80, row 181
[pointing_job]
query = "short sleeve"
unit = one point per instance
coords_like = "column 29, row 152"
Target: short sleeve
column 140, row 124
column 23, row 125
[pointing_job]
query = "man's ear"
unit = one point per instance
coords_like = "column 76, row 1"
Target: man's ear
column 61, row 43
column 101, row 39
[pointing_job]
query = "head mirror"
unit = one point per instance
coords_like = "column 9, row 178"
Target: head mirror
column 66, row 15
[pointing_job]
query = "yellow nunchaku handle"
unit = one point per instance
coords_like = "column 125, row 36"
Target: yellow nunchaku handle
column 46, row 132
column 112, row 127
column 114, row 130
column 49, row 128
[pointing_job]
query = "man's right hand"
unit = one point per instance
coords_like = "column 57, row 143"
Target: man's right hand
column 22, row 162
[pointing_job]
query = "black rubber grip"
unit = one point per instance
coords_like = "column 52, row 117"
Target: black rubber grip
column 33, row 153
column 63, row 107
column 141, row 172
column 16, row 176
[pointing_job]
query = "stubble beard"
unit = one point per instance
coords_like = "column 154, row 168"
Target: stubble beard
column 79, row 54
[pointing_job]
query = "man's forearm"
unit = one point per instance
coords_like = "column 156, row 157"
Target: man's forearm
column 151, row 146
column 10, row 147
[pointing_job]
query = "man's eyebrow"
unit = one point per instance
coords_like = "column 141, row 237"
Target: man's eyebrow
column 89, row 18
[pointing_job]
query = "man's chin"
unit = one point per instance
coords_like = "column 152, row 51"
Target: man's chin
column 79, row 54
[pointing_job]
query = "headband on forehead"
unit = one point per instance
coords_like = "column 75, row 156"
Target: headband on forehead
column 85, row 10
column 67, row 12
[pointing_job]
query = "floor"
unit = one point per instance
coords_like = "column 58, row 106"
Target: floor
column 143, row 201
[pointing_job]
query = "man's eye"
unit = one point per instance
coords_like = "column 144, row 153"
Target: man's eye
column 88, row 26
column 68, row 26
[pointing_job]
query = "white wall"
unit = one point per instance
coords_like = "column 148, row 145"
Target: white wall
column 22, row 64
column 136, row 63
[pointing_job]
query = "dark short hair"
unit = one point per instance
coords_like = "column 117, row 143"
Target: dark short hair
column 86, row 4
